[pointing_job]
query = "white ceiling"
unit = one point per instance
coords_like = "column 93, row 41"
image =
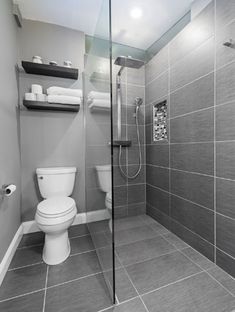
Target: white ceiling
column 90, row 16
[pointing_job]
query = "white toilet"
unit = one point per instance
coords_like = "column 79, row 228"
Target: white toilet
column 104, row 178
column 56, row 212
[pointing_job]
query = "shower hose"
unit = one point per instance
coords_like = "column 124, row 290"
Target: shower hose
column 125, row 174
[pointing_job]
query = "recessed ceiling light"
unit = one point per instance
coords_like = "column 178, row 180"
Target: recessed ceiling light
column 136, row 13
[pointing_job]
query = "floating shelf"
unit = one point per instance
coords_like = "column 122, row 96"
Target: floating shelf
column 50, row 70
column 35, row 105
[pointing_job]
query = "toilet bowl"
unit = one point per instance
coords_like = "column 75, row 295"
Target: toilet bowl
column 104, row 177
column 56, row 212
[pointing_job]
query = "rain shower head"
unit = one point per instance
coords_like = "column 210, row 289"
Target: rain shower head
column 128, row 61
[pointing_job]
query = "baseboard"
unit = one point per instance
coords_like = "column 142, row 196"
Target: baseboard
column 81, row 218
column 4, row 265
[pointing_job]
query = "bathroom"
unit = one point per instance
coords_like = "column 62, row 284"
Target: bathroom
column 117, row 126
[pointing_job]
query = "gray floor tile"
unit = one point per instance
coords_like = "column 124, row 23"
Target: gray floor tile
column 223, row 278
column 128, row 223
column 26, row 256
column 28, row 303
column 124, row 287
column 99, row 226
column 175, row 240
column 225, row 234
column 158, row 272
column 31, row 239
column 86, row 295
column 74, row 267
column 143, row 250
column 133, row 235
column 78, row 230
column 81, row 244
column 160, row 229
column 195, row 294
column 106, row 258
column 198, row 258
column 134, row 305
column 22, row 281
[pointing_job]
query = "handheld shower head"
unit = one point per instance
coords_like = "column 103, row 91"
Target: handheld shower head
column 138, row 101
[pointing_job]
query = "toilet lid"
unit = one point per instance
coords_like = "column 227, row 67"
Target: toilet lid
column 109, row 197
column 56, row 206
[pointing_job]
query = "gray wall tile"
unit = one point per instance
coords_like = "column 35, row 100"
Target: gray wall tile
column 194, row 65
column 225, row 160
column 158, row 177
column 195, row 218
column 226, row 262
column 195, row 127
column 157, row 155
column 225, row 122
column 225, row 197
column 194, row 187
column 194, row 34
column 193, row 157
column 224, row 55
column 157, row 65
column 225, row 12
column 157, row 88
column 157, row 199
column 136, row 76
column 194, row 240
column 195, row 96
column 225, row 234
column 120, row 195
column 159, row 216
column 133, row 92
column 136, row 193
column 225, row 80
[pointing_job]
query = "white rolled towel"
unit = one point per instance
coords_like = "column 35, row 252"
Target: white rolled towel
column 64, row 99
column 103, row 104
column 99, row 95
column 64, row 91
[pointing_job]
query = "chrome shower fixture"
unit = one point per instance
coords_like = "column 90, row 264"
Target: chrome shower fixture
column 128, row 61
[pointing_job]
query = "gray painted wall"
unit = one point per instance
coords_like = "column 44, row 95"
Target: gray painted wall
column 50, row 138
column 9, row 127
column 191, row 178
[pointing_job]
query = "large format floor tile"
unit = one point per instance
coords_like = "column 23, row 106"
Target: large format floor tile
column 88, row 294
column 22, row 281
column 223, row 278
column 74, row 267
column 26, row 256
column 198, row 258
column 158, row 272
column 81, row 244
column 27, row 303
column 134, row 305
column 197, row 293
column 133, row 235
column 143, row 250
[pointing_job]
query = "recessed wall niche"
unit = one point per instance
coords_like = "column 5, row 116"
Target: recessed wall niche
column 160, row 121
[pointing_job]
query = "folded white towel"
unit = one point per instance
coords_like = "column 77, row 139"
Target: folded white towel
column 64, row 91
column 102, row 104
column 64, row 99
column 99, row 95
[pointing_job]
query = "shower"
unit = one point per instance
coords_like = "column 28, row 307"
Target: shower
column 129, row 62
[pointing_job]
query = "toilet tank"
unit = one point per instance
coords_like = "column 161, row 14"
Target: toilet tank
column 104, row 177
column 56, row 181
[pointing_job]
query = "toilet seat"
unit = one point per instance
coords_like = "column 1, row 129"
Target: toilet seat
column 55, row 210
column 108, row 200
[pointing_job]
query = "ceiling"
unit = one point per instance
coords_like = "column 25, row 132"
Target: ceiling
column 152, row 18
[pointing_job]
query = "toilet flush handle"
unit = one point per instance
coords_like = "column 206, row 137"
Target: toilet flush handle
column 41, row 178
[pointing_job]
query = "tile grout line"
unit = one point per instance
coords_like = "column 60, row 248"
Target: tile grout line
column 25, row 266
column 215, row 102
column 45, row 293
column 22, row 295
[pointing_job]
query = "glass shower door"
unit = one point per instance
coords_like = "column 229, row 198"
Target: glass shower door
column 98, row 127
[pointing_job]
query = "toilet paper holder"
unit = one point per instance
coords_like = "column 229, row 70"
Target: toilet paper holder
column 7, row 190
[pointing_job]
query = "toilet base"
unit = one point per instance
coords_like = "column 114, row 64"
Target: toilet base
column 56, row 248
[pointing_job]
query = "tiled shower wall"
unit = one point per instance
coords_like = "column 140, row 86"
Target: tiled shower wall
column 191, row 178
column 129, row 194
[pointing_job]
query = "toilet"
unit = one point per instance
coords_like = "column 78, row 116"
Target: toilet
column 56, row 212
column 104, row 178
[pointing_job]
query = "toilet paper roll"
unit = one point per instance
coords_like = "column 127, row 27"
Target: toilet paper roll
column 9, row 189
column 37, row 89
column 30, row 96
column 41, row 97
